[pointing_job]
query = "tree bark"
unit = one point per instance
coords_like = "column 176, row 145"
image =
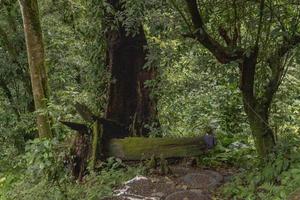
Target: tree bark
column 36, row 60
column 256, row 111
column 129, row 101
column 262, row 133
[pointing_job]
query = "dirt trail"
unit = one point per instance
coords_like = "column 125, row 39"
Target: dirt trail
column 185, row 183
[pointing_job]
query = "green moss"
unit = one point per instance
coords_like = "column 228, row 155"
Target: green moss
column 137, row 148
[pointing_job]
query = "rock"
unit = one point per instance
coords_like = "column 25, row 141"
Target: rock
column 185, row 187
column 179, row 170
column 189, row 195
column 147, row 187
column 205, row 179
column 157, row 194
column 193, row 185
column 238, row 145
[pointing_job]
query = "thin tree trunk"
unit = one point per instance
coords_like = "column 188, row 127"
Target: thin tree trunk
column 263, row 135
column 129, row 101
column 36, row 60
column 256, row 110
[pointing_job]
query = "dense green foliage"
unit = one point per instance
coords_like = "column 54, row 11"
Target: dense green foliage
column 193, row 89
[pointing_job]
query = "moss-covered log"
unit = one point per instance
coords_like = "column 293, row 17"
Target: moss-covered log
column 139, row 148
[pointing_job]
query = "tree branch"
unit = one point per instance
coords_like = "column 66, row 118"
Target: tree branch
column 183, row 16
column 225, row 36
column 285, row 47
column 277, row 67
column 260, row 25
column 223, row 55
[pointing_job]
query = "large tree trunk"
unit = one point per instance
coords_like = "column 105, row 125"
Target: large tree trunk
column 129, row 101
column 36, row 60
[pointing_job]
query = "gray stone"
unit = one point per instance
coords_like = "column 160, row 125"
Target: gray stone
column 203, row 180
column 188, row 194
column 157, row 194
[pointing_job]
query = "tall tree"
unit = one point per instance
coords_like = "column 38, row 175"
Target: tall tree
column 129, row 101
column 251, row 55
column 36, row 60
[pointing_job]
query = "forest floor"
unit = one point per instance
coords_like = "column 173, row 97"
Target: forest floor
column 183, row 183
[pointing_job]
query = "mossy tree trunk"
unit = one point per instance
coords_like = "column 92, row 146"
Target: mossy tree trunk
column 256, row 109
column 129, row 101
column 36, row 60
column 262, row 133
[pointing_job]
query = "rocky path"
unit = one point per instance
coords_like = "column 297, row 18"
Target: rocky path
column 184, row 184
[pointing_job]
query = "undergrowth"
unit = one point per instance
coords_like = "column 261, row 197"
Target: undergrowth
column 272, row 179
column 42, row 175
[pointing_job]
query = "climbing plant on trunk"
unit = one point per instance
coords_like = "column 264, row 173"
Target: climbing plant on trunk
column 236, row 47
column 129, row 101
column 36, row 60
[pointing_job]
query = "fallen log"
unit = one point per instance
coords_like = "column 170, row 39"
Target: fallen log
column 140, row 148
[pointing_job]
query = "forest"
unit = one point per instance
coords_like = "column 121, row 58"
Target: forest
column 153, row 100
